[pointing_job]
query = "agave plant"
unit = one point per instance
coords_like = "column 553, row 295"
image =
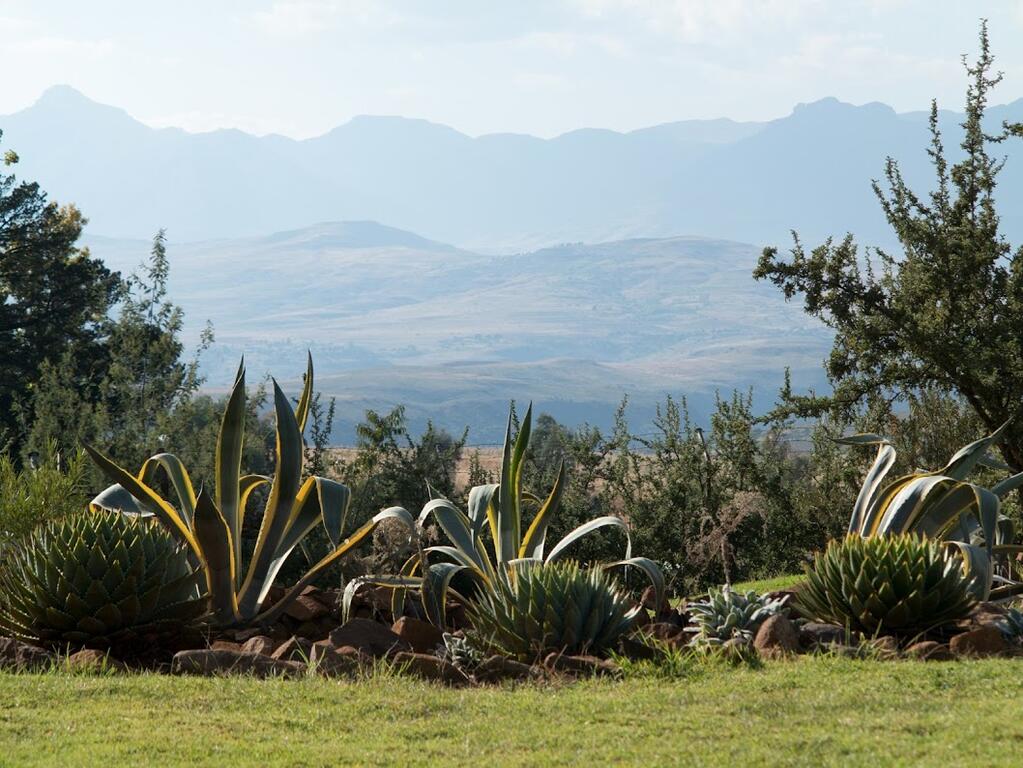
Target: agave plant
column 726, row 615
column 210, row 524
column 98, row 580
column 461, row 652
column 1011, row 625
column 544, row 607
column 498, row 510
column 902, row 584
column 943, row 506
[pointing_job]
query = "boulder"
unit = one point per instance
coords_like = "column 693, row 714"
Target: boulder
column 662, row 630
column 581, row 666
column 497, row 668
column 929, row 650
column 295, row 649
column 225, row 645
column 633, row 647
column 259, row 644
column 17, row 655
column 206, row 661
column 777, row 637
column 885, row 647
column 369, row 637
column 421, row 635
column 91, row 660
column 429, row 667
column 649, row 601
column 982, row 641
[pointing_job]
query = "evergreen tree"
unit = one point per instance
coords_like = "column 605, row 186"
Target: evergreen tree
column 54, row 299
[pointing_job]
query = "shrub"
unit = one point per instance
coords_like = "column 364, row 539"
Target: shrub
column 98, row 579
column 901, row 584
column 726, row 615
column 29, row 497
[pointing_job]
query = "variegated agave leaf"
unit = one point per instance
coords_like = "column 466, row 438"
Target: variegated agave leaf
column 210, row 524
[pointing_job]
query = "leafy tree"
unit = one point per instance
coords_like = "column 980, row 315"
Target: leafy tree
column 948, row 314
column 54, row 299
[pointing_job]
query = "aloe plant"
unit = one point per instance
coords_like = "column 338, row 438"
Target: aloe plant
column 492, row 538
column 210, row 524
column 942, row 505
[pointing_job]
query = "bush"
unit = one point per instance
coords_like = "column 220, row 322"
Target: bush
column 32, row 496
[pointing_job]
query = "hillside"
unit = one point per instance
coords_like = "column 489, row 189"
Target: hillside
column 395, row 318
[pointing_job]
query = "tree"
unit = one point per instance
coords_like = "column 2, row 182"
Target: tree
column 948, row 314
column 54, row 299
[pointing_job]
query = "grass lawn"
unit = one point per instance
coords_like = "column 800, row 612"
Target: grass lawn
column 814, row 711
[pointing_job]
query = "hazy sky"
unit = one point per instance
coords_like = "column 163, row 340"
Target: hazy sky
column 300, row 67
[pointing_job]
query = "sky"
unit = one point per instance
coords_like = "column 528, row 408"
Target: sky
column 302, row 67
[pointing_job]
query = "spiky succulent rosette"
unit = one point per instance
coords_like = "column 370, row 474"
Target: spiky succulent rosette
column 901, row 584
column 555, row 606
column 99, row 580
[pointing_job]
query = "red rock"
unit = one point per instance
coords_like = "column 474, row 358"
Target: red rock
column 982, row 641
column 929, row 650
column 17, row 655
column 306, row 608
column 225, row 645
column 777, row 637
column 421, row 635
column 259, row 644
column 497, row 668
column 369, row 637
column 90, row 660
column 332, row 662
column 295, row 649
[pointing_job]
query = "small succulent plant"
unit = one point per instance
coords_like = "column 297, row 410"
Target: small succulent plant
column 461, row 652
column 726, row 615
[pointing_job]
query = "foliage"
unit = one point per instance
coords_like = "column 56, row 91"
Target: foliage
column 942, row 505
column 53, row 301
column 727, row 614
column 498, row 508
column 917, row 320
column 99, row 580
column 1012, row 625
column 30, row 496
column 461, row 652
column 210, row 525
column 902, row 584
column 545, row 607
column 391, row 467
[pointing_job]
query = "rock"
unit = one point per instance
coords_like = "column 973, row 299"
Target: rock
column 430, row 667
column 929, row 650
column 633, row 647
column 333, row 662
column 581, row 666
column 294, row 649
column 642, row 617
column 790, row 595
column 17, row 655
column 259, row 644
column 456, row 616
column 814, row 634
column 497, row 668
column 421, row 635
column 369, row 637
column 777, row 637
column 371, row 602
column 305, row 607
column 274, row 594
column 225, row 645
column 206, row 661
column 91, row 660
column 982, row 641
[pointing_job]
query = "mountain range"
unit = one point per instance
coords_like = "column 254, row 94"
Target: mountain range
column 750, row 182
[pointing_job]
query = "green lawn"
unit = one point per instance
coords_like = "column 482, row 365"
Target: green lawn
column 769, row 585
column 821, row 711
